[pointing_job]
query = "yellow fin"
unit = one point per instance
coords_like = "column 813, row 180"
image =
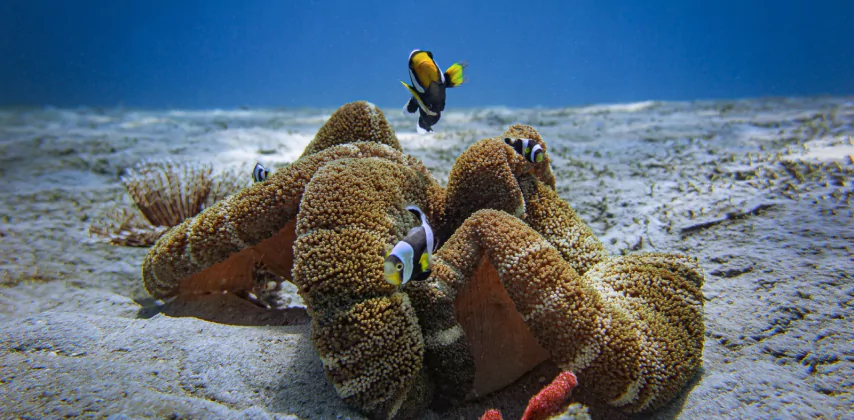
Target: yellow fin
column 454, row 74
column 425, row 261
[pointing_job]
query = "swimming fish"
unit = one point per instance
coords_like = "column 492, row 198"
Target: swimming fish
column 260, row 173
column 428, row 88
column 532, row 151
column 412, row 257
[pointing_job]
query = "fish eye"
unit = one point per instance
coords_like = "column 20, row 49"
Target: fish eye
column 539, row 157
column 399, row 266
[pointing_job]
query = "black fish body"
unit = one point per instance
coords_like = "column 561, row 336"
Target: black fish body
column 428, row 87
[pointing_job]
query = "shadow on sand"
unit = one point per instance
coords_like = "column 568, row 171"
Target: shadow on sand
column 225, row 309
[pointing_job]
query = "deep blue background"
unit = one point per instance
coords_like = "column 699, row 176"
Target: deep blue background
column 218, row 53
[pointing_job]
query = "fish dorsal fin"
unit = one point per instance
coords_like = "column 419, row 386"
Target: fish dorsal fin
column 418, row 213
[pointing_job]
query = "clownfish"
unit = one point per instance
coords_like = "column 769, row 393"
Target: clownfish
column 428, row 88
column 529, row 149
column 260, row 173
column 412, row 257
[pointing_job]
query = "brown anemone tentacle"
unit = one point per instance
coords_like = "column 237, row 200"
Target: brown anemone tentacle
column 541, row 170
column 485, row 177
column 553, row 218
column 482, row 177
column 448, row 353
column 662, row 295
column 364, row 329
column 352, row 122
column 248, row 221
column 629, row 328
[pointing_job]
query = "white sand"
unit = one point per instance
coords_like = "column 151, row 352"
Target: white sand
column 79, row 335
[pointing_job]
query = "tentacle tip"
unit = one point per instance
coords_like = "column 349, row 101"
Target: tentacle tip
column 491, row 414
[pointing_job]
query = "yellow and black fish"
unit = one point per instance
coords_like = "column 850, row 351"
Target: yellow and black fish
column 260, row 173
column 412, row 257
column 529, row 149
column 428, row 87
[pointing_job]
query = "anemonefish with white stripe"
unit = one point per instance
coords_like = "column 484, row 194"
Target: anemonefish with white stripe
column 260, row 173
column 412, row 257
column 532, row 151
column 428, row 88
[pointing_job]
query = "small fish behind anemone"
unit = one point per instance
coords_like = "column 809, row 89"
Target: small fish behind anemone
column 428, row 88
column 412, row 257
column 260, row 173
column 529, row 149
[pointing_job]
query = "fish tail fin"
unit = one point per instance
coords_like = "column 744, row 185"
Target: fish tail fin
column 454, row 75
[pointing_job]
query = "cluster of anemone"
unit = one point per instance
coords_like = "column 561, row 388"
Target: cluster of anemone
column 519, row 278
column 165, row 193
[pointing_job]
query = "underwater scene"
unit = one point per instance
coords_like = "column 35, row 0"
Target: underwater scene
column 448, row 210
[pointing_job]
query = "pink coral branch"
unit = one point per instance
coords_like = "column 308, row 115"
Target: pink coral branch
column 492, row 414
column 547, row 402
column 550, row 399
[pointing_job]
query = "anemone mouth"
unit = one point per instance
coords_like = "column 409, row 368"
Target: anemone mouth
column 237, row 274
column 502, row 346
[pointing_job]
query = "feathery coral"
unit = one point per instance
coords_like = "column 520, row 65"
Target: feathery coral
column 126, row 227
column 166, row 193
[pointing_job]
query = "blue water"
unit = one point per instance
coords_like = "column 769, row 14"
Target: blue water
column 209, row 53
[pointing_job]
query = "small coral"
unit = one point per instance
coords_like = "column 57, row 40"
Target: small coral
column 166, row 193
column 548, row 402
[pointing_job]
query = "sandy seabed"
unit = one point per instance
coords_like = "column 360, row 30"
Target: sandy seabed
column 759, row 190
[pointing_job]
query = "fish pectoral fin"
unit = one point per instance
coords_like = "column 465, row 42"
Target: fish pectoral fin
column 418, row 100
column 412, row 92
column 454, row 75
column 425, row 262
column 411, row 106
